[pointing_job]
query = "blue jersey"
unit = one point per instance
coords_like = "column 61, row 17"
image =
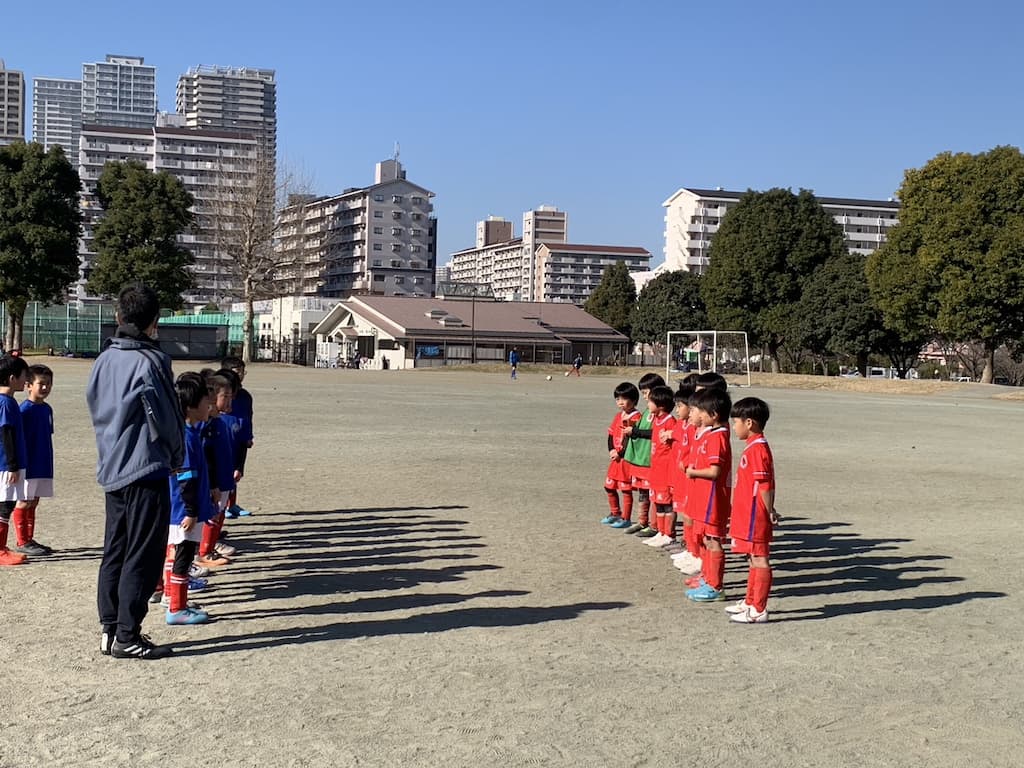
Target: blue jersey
column 37, row 419
column 13, row 455
column 190, row 485
column 241, row 409
column 217, row 435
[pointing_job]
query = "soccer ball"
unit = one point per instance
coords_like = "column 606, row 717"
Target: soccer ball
column 567, row 374
column 549, row 378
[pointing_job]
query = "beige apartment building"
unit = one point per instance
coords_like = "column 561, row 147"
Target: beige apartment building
column 207, row 162
column 692, row 217
column 12, row 105
column 380, row 240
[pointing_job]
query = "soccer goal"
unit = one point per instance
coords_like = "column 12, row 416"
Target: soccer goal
column 724, row 352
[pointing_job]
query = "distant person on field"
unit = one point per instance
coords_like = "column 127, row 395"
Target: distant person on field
column 140, row 438
column 13, row 454
column 577, row 363
column 37, row 416
column 617, row 478
column 513, row 360
column 753, row 508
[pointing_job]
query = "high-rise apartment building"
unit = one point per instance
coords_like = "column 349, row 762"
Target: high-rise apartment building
column 692, row 218
column 57, row 114
column 205, row 161
column 120, row 91
column 380, row 239
column 12, row 105
column 239, row 99
column 558, row 271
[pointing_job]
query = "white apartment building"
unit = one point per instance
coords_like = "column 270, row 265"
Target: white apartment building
column 12, row 105
column 57, row 114
column 380, row 239
column 692, row 218
column 240, row 99
column 569, row 272
column 120, row 91
column 204, row 161
column 557, row 271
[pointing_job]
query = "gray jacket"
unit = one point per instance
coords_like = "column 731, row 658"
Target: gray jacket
column 135, row 412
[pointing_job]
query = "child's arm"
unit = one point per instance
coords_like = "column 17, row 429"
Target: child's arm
column 711, row 473
column 188, row 484
column 768, row 499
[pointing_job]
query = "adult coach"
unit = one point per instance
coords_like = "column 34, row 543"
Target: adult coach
column 140, row 439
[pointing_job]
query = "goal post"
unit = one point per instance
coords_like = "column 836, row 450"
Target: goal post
column 724, row 352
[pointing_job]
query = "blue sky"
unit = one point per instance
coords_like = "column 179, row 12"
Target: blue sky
column 601, row 108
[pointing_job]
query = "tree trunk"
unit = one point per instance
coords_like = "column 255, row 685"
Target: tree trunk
column 19, row 330
column 990, row 364
column 9, row 332
column 862, row 363
column 773, row 352
column 247, row 345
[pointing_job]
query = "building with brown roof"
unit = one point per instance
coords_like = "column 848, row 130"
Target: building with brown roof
column 431, row 332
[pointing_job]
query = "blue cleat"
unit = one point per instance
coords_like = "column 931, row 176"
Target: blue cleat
column 705, row 593
column 620, row 524
column 197, row 585
column 241, row 512
column 187, row 616
column 610, row 519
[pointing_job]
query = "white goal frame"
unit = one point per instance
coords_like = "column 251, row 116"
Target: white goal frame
column 698, row 335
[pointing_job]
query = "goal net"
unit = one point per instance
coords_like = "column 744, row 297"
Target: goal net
column 724, row 352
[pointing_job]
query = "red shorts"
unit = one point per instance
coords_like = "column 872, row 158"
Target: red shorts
column 661, row 496
column 678, row 502
column 712, row 530
column 641, row 476
column 755, row 548
column 618, row 477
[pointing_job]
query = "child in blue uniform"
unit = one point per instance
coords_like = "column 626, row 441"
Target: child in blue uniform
column 13, row 371
column 241, row 411
column 37, row 417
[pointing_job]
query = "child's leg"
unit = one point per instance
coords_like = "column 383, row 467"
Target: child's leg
column 165, row 583
column 6, row 556
column 645, row 506
column 714, row 562
column 177, row 590
column 30, row 522
column 613, row 501
column 19, row 521
column 761, row 578
column 627, row 505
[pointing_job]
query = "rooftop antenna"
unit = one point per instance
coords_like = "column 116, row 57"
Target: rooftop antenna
column 398, row 151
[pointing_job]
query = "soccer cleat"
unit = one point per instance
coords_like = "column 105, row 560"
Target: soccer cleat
column 33, row 548
column 213, row 560
column 165, row 601
column 697, row 580
column 107, row 638
column 140, row 648
column 620, row 524
column 197, row 571
column 11, row 558
column 609, row 519
column 230, row 513
column 672, row 548
column 646, row 532
column 187, row 616
column 705, row 594
column 197, row 585
column 156, row 597
column 740, row 606
column 658, row 540
column 635, row 528
column 241, row 512
column 224, row 549
column 750, row 616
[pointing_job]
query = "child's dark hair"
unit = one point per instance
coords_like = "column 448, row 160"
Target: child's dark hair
column 684, row 393
column 629, row 391
column 715, row 402
column 712, row 380
column 39, row 371
column 216, row 381
column 11, row 366
column 234, row 378
column 233, row 363
column 753, row 408
column 138, row 305
column 191, row 390
column 650, row 380
column 662, row 397
column 690, row 378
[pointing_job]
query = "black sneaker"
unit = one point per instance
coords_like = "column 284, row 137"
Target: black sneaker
column 140, row 648
column 33, row 548
column 107, row 638
column 156, row 597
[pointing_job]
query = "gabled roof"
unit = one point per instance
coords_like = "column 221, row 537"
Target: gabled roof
column 727, row 194
column 624, row 250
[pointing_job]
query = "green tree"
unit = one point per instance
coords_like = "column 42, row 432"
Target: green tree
column 670, row 302
column 39, row 229
column 955, row 262
column 766, row 249
column 614, row 299
column 136, row 239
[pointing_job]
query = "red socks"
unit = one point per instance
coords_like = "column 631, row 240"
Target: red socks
column 645, row 510
column 759, row 584
column 210, row 535
column 613, row 502
column 19, row 521
column 30, row 523
column 3, row 534
column 714, row 567
column 627, row 505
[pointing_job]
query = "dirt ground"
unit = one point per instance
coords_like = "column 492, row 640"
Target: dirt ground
column 425, row 583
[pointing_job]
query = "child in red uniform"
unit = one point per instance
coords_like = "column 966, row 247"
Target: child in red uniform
column 660, row 403
column 685, row 558
column 710, row 470
column 638, row 458
column 753, row 508
column 618, row 477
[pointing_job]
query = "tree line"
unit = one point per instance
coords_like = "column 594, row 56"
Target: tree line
column 951, row 272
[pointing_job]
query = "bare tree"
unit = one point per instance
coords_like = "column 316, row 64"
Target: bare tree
column 244, row 216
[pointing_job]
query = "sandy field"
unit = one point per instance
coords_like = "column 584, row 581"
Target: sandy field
column 425, row 583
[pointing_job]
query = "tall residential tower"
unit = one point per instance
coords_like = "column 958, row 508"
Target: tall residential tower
column 57, row 114
column 12, row 105
column 120, row 91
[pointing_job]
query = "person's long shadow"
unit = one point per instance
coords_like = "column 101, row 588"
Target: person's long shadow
column 818, row 560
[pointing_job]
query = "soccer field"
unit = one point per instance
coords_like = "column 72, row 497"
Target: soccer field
column 425, row 583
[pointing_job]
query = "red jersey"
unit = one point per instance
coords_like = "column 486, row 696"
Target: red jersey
column 682, row 441
column 661, row 453
column 615, row 428
column 756, row 474
column 708, row 500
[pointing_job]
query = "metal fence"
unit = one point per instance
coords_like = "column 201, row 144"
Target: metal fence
column 81, row 330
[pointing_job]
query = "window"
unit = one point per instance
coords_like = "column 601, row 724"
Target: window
column 415, row 232
column 378, row 263
column 378, row 214
column 396, row 214
column 378, row 278
column 378, row 247
column 396, row 198
column 378, row 230
column 417, row 200
column 396, row 247
column 396, row 263
column 396, row 231
column 379, row 198
column 399, row 280
column 417, row 216
column 417, row 281
column 414, row 265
